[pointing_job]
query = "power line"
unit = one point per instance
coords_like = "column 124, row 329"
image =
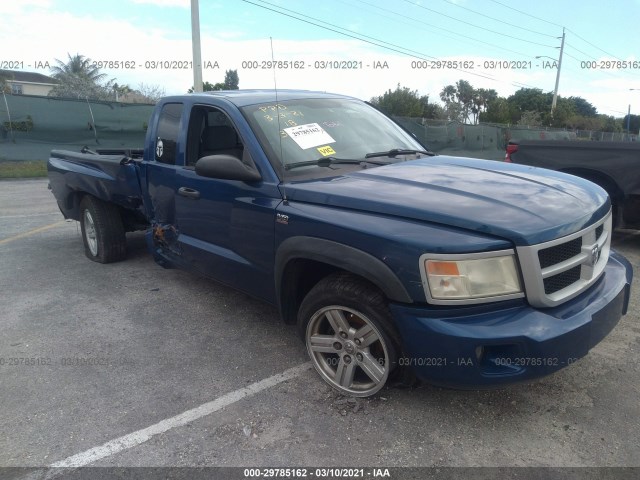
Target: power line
column 498, row 19
column 566, row 44
column 476, row 26
column 557, row 25
column 475, row 40
column 527, row 14
column 594, row 46
column 609, row 109
column 606, row 72
column 578, row 50
column 374, row 41
column 357, row 36
column 569, row 55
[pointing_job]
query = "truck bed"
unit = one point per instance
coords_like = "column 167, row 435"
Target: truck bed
column 112, row 178
column 612, row 165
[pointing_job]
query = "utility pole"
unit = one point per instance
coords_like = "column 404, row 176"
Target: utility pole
column 629, row 114
column 555, row 92
column 195, row 42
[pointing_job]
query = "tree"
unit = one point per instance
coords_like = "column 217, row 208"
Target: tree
column 150, row 93
column 402, row 102
column 465, row 95
column 434, row 111
column 145, row 93
column 452, row 107
column 531, row 118
column 209, row 87
column 462, row 102
column 534, row 100
column 81, row 78
column 79, row 66
column 580, row 122
column 582, row 107
column 4, row 84
column 531, row 100
column 482, row 97
column 527, row 106
column 120, row 91
column 564, row 111
column 78, row 87
column 611, row 124
column 634, row 123
column 499, row 110
column 231, row 82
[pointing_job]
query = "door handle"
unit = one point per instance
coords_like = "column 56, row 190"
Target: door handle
column 189, row 192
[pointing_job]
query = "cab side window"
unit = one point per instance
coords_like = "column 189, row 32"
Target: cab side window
column 211, row 133
column 167, row 133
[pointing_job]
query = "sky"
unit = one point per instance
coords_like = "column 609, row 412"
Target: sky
column 354, row 47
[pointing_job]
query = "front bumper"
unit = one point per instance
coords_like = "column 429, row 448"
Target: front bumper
column 477, row 347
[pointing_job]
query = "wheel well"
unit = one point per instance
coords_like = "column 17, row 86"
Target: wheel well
column 299, row 277
column 131, row 220
column 72, row 204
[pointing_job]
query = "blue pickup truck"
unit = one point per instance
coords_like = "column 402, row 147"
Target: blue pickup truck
column 393, row 262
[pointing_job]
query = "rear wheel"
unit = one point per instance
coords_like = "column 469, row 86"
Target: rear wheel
column 348, row 330
column 102, row 231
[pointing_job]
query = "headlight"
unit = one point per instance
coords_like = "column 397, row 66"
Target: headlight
column 471, row 278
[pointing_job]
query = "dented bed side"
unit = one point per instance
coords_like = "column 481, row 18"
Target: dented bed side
column 111, row 178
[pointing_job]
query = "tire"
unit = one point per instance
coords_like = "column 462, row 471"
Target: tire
column 348, row 330
column 102, row 231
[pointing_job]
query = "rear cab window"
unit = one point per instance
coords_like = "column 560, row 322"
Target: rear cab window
column 167, row 133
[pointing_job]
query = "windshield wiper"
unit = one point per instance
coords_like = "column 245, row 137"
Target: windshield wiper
column 394, row 152
column 328, row 161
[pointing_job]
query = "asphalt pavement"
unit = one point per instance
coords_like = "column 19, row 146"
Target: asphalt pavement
column 128, row 364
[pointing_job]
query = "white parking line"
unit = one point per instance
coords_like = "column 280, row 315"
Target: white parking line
column 136, row 438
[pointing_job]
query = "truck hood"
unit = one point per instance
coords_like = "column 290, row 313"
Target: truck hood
column 525, row 205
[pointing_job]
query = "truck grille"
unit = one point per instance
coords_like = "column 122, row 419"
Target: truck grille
column 559, row 253
column 557, row 271
column 599, row 231
column 562, row 280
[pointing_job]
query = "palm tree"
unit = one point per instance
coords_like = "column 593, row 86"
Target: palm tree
column 81, row 78
column 78, row 66
column 121, row 90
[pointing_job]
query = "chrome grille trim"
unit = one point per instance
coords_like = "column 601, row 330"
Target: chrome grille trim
column 535, row 277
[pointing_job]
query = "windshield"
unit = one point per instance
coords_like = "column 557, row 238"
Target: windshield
column 309, row 130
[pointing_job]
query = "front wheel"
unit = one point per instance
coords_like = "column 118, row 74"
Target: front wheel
column 102, row 231
column 348, row 331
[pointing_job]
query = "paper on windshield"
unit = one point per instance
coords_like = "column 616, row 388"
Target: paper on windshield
column 309, row 135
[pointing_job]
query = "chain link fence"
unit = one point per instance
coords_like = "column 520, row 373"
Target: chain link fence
column 490, row 140
column 31, row 126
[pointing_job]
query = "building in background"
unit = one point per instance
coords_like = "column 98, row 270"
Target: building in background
column 26, row 83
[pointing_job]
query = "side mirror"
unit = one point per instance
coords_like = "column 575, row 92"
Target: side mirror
column 226, row 167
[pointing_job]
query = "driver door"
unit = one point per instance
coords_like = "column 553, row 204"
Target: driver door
column 225, row 227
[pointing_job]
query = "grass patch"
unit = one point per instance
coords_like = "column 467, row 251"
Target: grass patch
column 26, row 169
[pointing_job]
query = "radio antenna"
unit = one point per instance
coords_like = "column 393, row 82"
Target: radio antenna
column 275, row 88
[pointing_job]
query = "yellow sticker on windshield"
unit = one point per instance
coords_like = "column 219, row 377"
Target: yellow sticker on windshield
column 326, row 151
